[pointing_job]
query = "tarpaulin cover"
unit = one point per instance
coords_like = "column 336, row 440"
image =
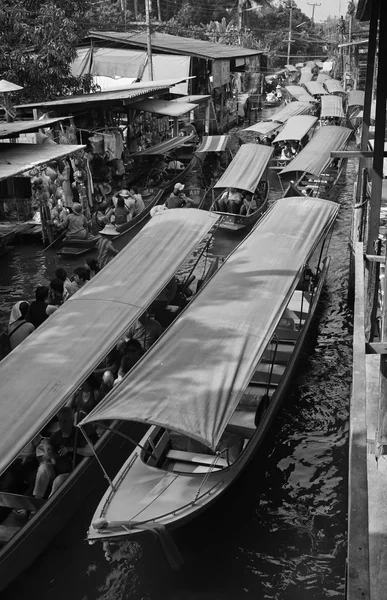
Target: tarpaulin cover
column 315, row 88
column 166, row 146
column 334, row 86
column 110, row 62
column 296, row 128
column 356, row 98
column 299, row 93
column 193, row 378
column 170, row 65
column 213, row 143
column 106, row 84
column 292, row 109
column 316, row 155
column 332, row 106
column 305, row 77
column 247, row 167
column 17, row 158
column 322, row 77
column 43, row 372
column 164, row 107
column 264, row 127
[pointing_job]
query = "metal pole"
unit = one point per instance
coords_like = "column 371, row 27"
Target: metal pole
column 148, row 40
column 290, row 29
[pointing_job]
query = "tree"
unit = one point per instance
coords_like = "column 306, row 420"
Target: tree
column 38, row 43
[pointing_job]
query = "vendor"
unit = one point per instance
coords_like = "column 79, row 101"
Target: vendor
column 75, row 224
column 177, row 199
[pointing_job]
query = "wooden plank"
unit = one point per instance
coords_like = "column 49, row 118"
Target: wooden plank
column 376, row 348
column 358, row 574
column 375, row 258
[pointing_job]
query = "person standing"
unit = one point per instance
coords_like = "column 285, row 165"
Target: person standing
column 105, row 247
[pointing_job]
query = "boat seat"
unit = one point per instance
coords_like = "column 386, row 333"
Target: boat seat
column 19, row 502
column 265, row 372
column 183, row 467
column 242, row 423
column 253, row 396
column 283, row 352
column 194, row 457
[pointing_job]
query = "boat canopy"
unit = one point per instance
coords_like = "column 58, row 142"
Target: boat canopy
column 291, row 68
column 334, row 86
column 322, row 77
column 319, row 64
column 316, row 155
column 355, row 98
column 315, row 88
column 43, row 372
column 213, row 143
column 305, row 77
column 299, row 93
column 165, row 147
column 194, row 377
column 247, row 167
column 296, row 128
column 292, row 109
column 264, row 127
column 307, row 68
column 300, row 64
column 331, row 106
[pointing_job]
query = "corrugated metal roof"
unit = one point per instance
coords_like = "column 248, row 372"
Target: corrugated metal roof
column 12, row 129
column 17, row 158
column 173, row 44
column 136, row 90
column 164, row 107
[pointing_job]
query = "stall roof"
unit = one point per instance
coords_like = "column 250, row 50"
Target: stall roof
column 165, row 147
column 334, row 86
column 16, row 127
column 17, row 158
column 316, row 155
column 291, row 110
column 332, row 106
column 164, row 107
column 213, row 143
column 247, row 167
column 299, row 93
column 174, row 44
column 356, row 98
column 296, row 128
column 193, row 378
column 134, row 91
column 315, row 88
column 45, row 370
column 264, row 127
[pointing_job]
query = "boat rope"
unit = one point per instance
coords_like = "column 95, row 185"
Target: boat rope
column 97, row 459
column 125, row 436
column 207, row 475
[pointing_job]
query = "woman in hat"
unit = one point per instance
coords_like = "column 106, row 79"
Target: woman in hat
column 75, row 224
column 177, row 199
column 106, row 250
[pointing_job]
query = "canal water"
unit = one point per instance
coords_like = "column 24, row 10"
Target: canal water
column 280, row 532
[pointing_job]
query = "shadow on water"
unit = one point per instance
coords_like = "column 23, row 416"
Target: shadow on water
column 280, row 532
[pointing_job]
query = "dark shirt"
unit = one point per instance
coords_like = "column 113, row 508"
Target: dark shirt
column 64, row 464
column 37, row 312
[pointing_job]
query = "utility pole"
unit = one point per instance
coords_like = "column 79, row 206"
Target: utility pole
column 148, row 40
column 314, row 6
column 290, row 28
column 240, row 16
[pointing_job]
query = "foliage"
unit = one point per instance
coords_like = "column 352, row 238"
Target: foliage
column 38, row 43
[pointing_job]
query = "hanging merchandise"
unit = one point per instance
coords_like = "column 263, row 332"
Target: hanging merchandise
column 97, row 143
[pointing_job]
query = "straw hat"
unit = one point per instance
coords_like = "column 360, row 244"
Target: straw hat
column 109, row 230
column 77, row 208
column 123, row 193
column 179, row 186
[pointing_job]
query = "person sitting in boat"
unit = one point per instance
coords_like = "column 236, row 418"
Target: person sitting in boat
column 278, row 92
column 105, row 247
column 56, row 292
column 146, row 330
column 139, row 205
column 40, row 309
column 230, row 201
column 286, row 153
column 92, row 265
column 249, row 204
column 175, row 165
column 18, row 327
column 271, row 97
column 128, row 200
column 177, row 199
column 62, row 275
column 133, row 353
column 81, row 277
column 101, row 217
column 75, row 224
column 122, row 214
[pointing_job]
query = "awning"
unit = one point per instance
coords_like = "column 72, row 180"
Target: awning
column 291, row 68
column 299, row 93
column 292, row 109
column 213, row 143
column 170, row 65
column 165, row 147
column 163, row 107
column 315, row 88
column 247, row 167
column 16, row 127
column 264, row 127
column 194, row 377
column 316, row 155
column 334, row 86
column 356, row 98
column 17, row 158
column 332, row 106
column 43, row 372
column 110, row 62
column 321, row 77
column 305, row 77
column 296, row 128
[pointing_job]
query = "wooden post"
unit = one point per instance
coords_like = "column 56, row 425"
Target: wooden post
column 207, row 117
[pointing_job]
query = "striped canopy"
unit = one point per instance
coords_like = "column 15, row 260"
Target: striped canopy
column 213, row 143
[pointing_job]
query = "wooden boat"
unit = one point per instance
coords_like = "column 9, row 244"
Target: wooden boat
column 58, row 358
column 295, row 130
column 76, row 246
column 211, row 402
column 248, row 172
column 332, row 112
column 315, row 89
column 299, row 93
column 313, row 172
